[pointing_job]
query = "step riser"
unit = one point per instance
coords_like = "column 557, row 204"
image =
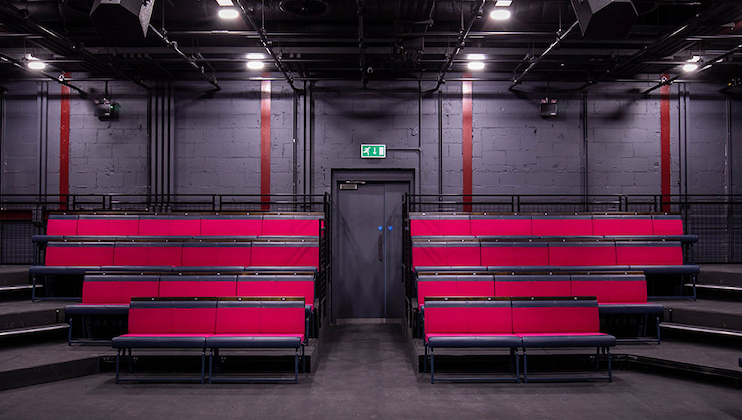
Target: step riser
column 701, row 337
column 10, row 278
column 704, row 319
column 30, row 319
column 726, row 295
column 720, row 278
column 49, row 373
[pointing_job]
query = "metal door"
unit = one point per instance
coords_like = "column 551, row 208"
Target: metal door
column 368, row 251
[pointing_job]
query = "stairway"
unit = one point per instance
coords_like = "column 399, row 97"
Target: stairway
column 716, row 316
column 24, row 321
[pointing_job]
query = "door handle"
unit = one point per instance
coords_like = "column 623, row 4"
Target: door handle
column 381, row 246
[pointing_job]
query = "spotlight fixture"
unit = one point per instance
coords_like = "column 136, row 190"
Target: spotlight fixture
column 690, row 67
column 255, row 65
column 228, row 14
column 256, row 56
column 475, row 65
column 500, row 14
column 475, row 57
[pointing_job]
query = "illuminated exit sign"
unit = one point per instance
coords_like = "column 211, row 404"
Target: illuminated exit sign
column 373, row 151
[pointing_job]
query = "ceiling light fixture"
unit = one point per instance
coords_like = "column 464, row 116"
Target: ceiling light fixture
column 36, row 65
column 500, row 14
column 225, row 3
column 475, row 65
column 475, row 57
column 256, row 56
column 228, row 14
column 255, row 65
column 503, row 3
column 690, row 67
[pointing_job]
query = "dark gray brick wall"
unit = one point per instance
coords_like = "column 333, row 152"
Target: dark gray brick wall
column 217, row 139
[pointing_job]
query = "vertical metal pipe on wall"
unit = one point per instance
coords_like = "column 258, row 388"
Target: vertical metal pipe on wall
column 42, row 123
column 585, row 133
column 305, row 135
column 294, row 146
column 440, row 142
column 2, row 140
column 311, row 136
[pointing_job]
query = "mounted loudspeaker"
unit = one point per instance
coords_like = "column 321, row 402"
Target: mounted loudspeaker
column 122, row 18
column 605, row 19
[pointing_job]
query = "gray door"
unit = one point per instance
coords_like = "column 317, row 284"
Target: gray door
column 368, row 251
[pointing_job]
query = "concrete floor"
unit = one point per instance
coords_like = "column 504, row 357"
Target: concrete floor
column 365, row 373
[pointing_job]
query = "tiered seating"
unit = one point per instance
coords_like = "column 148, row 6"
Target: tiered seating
column 616, row 293
column 76, row 244
column 110, row 293
column 514, row 323
column 203, row 323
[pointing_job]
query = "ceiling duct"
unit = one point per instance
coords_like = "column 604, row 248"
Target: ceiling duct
column 127, row 19
column 305, row 8
column 605, row 19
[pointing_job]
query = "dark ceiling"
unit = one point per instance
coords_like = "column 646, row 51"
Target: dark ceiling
column 370, row 40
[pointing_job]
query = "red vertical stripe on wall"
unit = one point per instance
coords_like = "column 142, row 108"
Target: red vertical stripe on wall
column 467, row 142
column 665, row 145
column 64, row 145
column 265, row 141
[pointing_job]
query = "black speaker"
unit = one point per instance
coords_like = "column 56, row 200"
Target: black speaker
column 606, row 19
column 122, row 18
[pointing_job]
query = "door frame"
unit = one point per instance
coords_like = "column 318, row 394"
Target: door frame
column 371, row 175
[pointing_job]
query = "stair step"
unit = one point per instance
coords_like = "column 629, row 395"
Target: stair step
column 19, row 287
column 698, row 329
column 11, row 275
column 716, row 287
column 33, row 330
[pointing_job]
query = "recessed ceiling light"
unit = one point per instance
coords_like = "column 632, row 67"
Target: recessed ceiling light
column 224, row 3
column 228, row 14
column 690, row 67
column 475, row 65
column 36, row 65
column 695, row 59
column 255, row 65
column 475, row 57
column 500, row 14
column 256, row 56
column 503, row 3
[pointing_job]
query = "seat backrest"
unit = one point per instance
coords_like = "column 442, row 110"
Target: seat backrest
column 611, row 288
column 514, row 253
column 60, row 253
column 172, row 317
column 213, row 253
column 561, row 225
column 669, row 224
column 108, row 225
column 256, row 316
column 169, row 225
column 198, row 286
column 439, row 225
column 291, row 225
column 622, row 224
column 118, row 289
column 484, row 316
column 582, row 253
column 429, row 253
column 285, row 253
column 575, row 315
column 276, row 285
column 501, row 225
column 144, row 253
column 478, row 285
column 231, row 225
column 61, row 225
column 508, row 285
column 649, row 253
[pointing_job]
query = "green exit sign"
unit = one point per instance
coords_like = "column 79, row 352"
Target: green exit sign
column 373, row 151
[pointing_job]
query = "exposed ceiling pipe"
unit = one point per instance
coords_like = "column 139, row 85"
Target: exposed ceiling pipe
column 19, row 15
column 460, row 41
column 709, row 64
column 191, row 61
column 61, row 80
column 519, row 79
column 266, row 44
column 362, row 45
